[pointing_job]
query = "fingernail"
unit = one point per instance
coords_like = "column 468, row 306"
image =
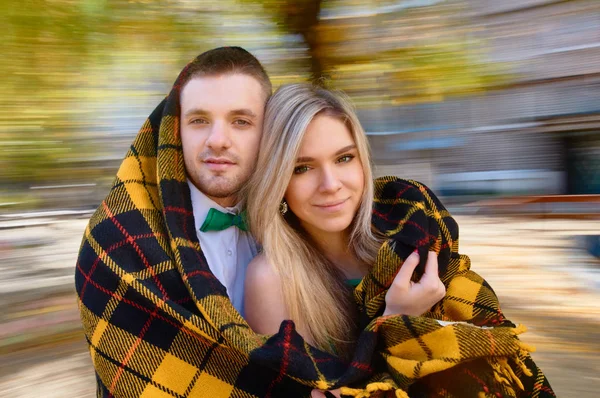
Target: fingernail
column 415, row 251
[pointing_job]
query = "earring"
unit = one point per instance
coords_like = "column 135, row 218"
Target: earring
column 283, row 207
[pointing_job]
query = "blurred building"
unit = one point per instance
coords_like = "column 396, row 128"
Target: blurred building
column 472, row 97
column 538, row 134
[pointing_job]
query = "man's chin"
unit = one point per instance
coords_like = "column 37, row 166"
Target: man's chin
column 217, row 185
column 223, row 189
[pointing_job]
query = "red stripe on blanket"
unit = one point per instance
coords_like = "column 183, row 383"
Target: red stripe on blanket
column 285, row 361
column 180, row 210
column 132, row 349
column 141, row 308
column 137, row 250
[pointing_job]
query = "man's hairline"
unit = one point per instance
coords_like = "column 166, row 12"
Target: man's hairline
column 202, row 74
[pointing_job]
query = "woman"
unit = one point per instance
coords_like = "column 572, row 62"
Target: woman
column 310, row 205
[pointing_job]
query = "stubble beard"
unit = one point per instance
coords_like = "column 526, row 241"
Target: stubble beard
column 219, row 185
column 214, row 184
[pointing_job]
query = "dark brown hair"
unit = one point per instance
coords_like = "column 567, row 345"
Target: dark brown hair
column 227, row 60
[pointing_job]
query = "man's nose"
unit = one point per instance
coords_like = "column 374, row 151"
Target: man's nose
column 219, row 137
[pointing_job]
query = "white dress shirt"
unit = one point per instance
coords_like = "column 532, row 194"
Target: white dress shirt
column 227, row 252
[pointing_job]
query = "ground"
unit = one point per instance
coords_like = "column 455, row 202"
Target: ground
column 544, row 279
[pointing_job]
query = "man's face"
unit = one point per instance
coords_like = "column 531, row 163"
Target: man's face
column 221, row 125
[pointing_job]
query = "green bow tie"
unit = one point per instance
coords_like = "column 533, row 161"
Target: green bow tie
column 218, row 221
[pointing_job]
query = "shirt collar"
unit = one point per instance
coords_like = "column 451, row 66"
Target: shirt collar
column 201, row 204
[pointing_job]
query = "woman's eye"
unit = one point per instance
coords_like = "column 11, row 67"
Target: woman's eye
column 300, row 169
column 345, row 159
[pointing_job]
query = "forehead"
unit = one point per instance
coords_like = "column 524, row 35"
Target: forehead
column 324, row 136
column 222, row 93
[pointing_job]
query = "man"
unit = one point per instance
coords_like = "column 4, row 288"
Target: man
column 162, row 262
column 222, row 109
column 218, row 104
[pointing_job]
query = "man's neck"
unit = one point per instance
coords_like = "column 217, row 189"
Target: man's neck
column 201, row 203
column 229, row 201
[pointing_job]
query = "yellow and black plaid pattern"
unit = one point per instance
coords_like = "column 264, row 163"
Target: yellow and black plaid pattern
column 464, row 346
column 159, row 324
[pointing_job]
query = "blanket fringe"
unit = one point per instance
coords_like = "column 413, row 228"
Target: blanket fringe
column 372, row 388
column 401, row 394
column 509, row 373
column 504, row 374
column 526, row 347
column 523, row 346
column 503, row 371
column 522, row 365
column 519, row 329
column 524, row 350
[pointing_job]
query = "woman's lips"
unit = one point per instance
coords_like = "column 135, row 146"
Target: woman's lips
column 332, row 207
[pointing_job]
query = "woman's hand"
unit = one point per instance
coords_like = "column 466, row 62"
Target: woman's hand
column 405, row 297
column 321, row 394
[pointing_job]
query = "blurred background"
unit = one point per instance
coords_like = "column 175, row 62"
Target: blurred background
column 493, row 104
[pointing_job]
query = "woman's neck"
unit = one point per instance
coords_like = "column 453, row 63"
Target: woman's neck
column 334, row 246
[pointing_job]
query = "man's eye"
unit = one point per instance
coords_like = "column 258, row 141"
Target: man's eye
column 345, row 158
column 301, row 169
column 241, row 122
column 198, row 121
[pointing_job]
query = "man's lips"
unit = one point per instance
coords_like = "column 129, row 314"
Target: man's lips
column 218, row 160
column 218, row 163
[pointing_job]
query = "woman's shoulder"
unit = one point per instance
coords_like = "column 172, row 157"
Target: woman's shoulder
column 261, row 273
column 262, row 267
column 263, row 299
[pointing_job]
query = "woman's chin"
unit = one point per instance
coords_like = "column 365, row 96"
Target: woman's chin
column 333, row 226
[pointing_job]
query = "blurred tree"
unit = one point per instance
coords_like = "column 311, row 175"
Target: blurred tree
column 63, row 67
column 71, row 72
column 384, row 52
column 301, row 17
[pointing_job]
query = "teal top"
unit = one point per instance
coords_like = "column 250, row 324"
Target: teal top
column 353, row 282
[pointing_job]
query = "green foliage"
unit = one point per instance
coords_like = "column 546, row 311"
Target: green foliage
column 67, row 67
column 58, row 70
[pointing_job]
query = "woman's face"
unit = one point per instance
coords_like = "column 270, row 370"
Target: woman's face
column 328, row 181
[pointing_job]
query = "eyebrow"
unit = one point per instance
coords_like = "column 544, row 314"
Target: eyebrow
column 195, row 111
column 241, row 111
column 304, row 159
column 244, row 112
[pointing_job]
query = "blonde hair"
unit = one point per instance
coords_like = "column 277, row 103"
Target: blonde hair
column 313, row 289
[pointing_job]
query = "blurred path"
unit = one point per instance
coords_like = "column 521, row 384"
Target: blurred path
column 542, row 277
column 547, row 282
column 42, row 347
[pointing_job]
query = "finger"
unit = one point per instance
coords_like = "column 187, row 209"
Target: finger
column 407, row 269
column 336, row 393
column 442, row 290
column 431, row 266
column 317, row 394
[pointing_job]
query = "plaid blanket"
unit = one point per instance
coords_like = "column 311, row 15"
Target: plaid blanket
column 159, row 324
